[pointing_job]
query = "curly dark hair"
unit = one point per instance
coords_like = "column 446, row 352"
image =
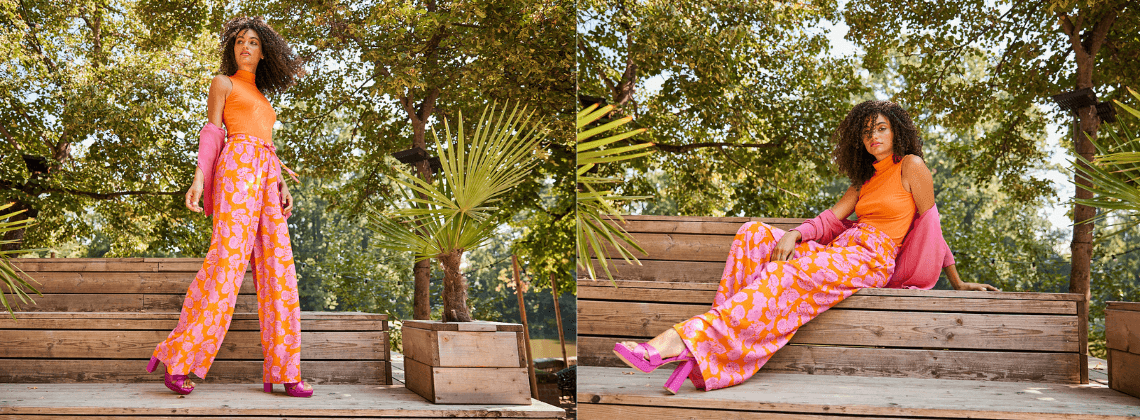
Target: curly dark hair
column 852, row 158
column 277, row 71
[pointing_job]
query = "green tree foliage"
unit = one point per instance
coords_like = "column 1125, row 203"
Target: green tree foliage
column 338, row 269
column 385, row 70
column 748, row 97
column 100, row 104
column 988, row 66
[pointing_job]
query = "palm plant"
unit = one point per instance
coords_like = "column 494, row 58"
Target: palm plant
column 442, row 220
column 8, row 272
column 1115, row 172
column 595, row 213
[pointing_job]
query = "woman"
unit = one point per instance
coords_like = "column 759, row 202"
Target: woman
column 771, row 285
column 249, row 201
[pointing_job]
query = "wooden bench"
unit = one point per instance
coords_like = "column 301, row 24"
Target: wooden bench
column 994, row 336
column 99, row 320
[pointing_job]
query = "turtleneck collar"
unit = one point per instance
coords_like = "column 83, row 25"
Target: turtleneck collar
column 882, row 165
column 244, row 76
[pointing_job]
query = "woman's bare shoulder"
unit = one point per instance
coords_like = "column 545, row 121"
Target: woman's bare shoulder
column 221, row 84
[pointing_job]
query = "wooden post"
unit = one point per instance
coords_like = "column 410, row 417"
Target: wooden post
column 526, row 328
column 558, row 316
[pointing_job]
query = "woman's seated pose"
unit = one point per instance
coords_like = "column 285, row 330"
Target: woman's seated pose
column 771, row 285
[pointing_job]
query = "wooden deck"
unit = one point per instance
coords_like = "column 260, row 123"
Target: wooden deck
column 613, row 393
column 154, row 401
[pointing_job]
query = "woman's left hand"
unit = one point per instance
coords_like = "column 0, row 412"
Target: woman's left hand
column 957, row 283
column 286, row 200
column 980, row 287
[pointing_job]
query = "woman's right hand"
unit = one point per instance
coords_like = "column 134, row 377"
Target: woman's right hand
column 194, row 193
column 785, row 246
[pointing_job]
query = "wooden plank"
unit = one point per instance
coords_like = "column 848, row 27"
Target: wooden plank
column 858, row 301
column 681, row 247
column 420, row 345
column 305, row 315
column 84, row 264
column 886, row 362
column 478, row 349
column 222, row 371
column 1124, row 372
column 152, row 400
column 661, row 271
column 454, row 326
column 1122, row 330
column 104, row 282
column 858, row 327
column 237, row 345
column 127, row 302
column 707, row 227
column 418, row 378
column 1123, row 306
column 171, row 320
column 614, row 411
column 861, row 396
column 110, row 264
column 1069, row 297
column 480, row 385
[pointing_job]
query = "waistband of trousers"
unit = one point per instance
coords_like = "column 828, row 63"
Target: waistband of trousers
column 268, row 144
column 246, row 138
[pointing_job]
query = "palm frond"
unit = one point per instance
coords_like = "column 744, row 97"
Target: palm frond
column 11, row 277
column 480, row 165
column 599, row 230
column 1114, row 174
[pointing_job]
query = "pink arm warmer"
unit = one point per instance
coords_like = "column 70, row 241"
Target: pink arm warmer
column 822, row 228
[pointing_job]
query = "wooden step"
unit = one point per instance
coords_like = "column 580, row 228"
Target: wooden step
column 336, row 347
column 152, row 401
column 615, row 393
column 118, row 284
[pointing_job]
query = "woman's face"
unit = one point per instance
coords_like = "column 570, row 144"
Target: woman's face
column 247, row 50
column 878, row 138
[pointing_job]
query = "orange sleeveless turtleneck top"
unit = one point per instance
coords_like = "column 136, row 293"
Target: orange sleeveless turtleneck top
column 247, row 111
column 884, row 203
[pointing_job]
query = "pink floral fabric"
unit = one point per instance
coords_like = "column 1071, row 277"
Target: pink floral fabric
column 247, row 223
column 760, row 304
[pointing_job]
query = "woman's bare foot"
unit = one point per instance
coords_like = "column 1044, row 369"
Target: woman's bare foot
column 668, row 344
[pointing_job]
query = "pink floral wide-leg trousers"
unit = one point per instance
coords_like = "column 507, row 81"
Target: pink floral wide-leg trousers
column 247, row 223
column 761, row 304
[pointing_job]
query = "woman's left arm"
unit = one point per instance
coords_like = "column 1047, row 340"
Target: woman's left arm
column 917, row 179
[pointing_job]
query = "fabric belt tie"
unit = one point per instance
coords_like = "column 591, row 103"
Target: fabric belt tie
column 268, row 145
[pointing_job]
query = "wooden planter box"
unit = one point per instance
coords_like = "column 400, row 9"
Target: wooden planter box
column 466, row 362
column 1122, row 331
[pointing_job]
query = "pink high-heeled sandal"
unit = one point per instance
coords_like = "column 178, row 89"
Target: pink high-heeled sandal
column 294, row 389
column 636, row 358
column 176, row 383
column 696, row 378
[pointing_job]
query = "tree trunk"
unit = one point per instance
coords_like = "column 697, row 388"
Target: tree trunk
column 17, row 236
column 1085, row 47
column 421, row 273
column 454, row 288
column 1081, row 247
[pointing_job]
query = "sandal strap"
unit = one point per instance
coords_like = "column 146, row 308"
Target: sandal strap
column 654, row 355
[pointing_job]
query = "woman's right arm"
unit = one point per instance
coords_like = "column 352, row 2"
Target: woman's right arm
column 843, row 208
column 220, row 88
column 846, row 204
